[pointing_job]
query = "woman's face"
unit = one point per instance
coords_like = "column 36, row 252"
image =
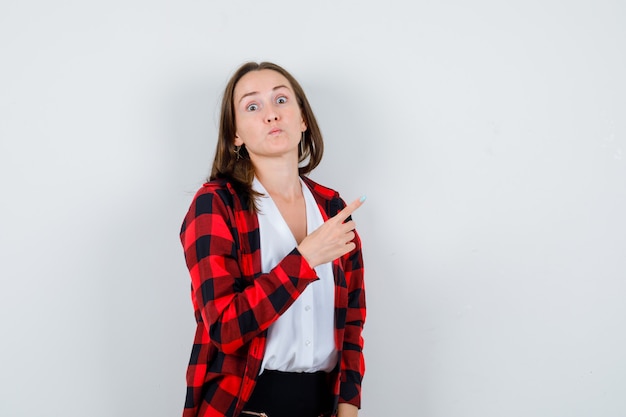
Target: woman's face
column 268, row 119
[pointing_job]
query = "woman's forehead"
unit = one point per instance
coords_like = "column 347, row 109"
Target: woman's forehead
column 260, row 81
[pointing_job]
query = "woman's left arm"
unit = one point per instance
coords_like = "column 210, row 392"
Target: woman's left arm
column 352, row 361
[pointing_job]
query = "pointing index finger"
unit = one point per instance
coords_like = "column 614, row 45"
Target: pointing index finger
column 350, row 208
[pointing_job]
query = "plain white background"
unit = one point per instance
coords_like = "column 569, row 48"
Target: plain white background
column 489, row 137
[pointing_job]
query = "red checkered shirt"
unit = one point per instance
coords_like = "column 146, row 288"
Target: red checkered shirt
column 235, row 303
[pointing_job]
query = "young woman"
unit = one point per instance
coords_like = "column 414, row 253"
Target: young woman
column 275, row 264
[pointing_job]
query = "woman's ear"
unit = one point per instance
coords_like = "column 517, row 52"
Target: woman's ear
column 238, row 141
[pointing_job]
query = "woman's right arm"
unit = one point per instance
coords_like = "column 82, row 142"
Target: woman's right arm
column 233, row 316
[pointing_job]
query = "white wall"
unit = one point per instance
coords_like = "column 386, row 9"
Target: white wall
column 489, row 136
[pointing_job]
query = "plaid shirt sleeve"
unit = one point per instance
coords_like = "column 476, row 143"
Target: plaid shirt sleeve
column 352, row 360
column 234, row 307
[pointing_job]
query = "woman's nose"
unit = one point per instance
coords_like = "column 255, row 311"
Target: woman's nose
column 272, row 115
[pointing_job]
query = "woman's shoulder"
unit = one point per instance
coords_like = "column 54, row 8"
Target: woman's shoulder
column 323, row 191
column 214, row 185
column 328, row 198
column 221, row 188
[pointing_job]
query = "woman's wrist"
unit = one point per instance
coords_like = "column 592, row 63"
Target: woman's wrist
column 347, row 410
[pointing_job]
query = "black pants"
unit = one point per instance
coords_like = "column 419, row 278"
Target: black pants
column 291, row 394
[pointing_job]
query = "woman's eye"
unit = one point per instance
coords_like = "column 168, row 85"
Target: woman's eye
column 281, row 100
column 252, row 107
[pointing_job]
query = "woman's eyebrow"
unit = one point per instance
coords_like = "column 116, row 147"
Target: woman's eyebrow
column 280, row 86
column 251, row 93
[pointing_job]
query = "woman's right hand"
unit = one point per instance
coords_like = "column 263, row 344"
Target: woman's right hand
column 331, row 240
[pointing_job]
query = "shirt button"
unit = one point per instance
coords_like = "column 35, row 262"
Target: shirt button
column 307, row 343
column 307, row 308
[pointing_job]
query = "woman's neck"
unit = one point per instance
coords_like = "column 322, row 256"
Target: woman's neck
column 280, row 178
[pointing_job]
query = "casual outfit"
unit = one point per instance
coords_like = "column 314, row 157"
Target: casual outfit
column 265, row 334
